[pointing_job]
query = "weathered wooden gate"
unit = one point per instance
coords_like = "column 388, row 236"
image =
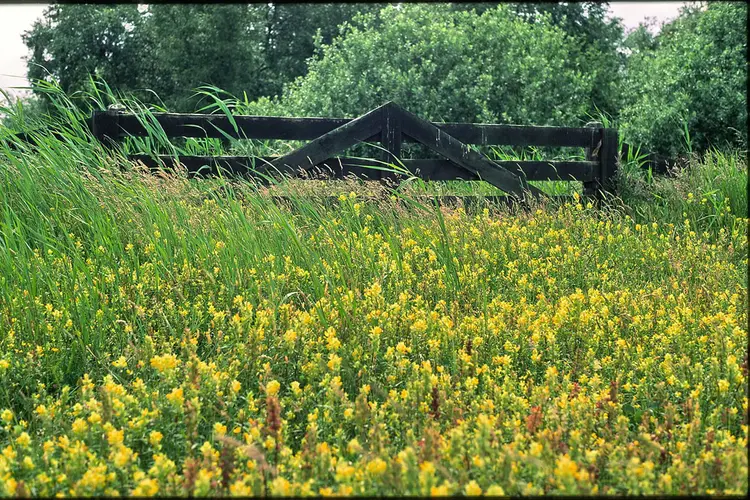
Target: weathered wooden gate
column 390, row 125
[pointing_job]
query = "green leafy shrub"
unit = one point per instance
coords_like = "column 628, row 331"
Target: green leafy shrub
column 447, row 65
column 710, row 192
column 695, row 76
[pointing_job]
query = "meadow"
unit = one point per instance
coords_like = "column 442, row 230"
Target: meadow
column 166, row 336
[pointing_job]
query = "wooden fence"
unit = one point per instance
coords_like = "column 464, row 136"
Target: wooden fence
column 391, row 126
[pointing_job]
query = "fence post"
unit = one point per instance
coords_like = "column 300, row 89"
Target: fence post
column 390, row 139
column 593, row 153
column 105, row 125
column 608, row 159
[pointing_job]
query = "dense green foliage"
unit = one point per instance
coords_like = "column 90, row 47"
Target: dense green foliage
column 71, row 43
column 679, row 90
column 194, row 338
column 597, row 42
column 172, row 49
column 449, row 65
column 694, row 74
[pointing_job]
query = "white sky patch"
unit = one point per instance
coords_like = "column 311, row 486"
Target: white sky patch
column 15, row 19
column 633, row 13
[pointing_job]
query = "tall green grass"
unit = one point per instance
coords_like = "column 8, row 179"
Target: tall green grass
column 69, row 199
column 100, row 259
column 709, row 189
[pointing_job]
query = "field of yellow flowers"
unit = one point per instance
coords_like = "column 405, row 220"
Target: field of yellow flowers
column 169, row 337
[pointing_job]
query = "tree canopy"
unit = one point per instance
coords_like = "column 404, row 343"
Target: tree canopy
column 172, row 49
column 71, row 42
column 543, row 63
column 448, row 64
column 692, row 74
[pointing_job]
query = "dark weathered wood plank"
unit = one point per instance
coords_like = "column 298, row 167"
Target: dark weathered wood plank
column 105, row 125
column 335, row 141
column 206, row 166
column 459, row 153
column 531, row 170
column 659, row 164
column 391, row 138
column 608, row 168
column 291, row 128
column 251, row 127
column 516, row 135
column 391, row 135
column 433, row 170
column 30, row 138
column 593, row 151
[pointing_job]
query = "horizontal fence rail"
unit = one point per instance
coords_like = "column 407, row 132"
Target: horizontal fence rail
column 118, row 126
column 341, row 167
column 478, row 134
column 470, row 202
column 391, row 126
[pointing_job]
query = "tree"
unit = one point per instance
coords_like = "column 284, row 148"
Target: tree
column 199, row 44
column 696, row 77
column 446, row 64
column 640, row 39
column 172, row 49
column 598, row 42
column 290, row 31
column 72, row 42
column 251, row 49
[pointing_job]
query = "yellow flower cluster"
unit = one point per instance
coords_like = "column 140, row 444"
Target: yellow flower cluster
column 560, row 351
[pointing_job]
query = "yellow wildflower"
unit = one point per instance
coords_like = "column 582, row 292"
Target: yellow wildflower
column 23, row 440
column 115, row 437
column 290, row 336
column 472, row 489
column 334, row 362
column 121, row 362
column 495, row 491
column 439, row 491
column 177, row 396
column 354, row 446
column 272, row 387
column 164, row 363
column 147, row 487
column 281, row 487
column 80, row 426
column 344, row 471
column 155, row 437
column 565, row 468
column 376, row 467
